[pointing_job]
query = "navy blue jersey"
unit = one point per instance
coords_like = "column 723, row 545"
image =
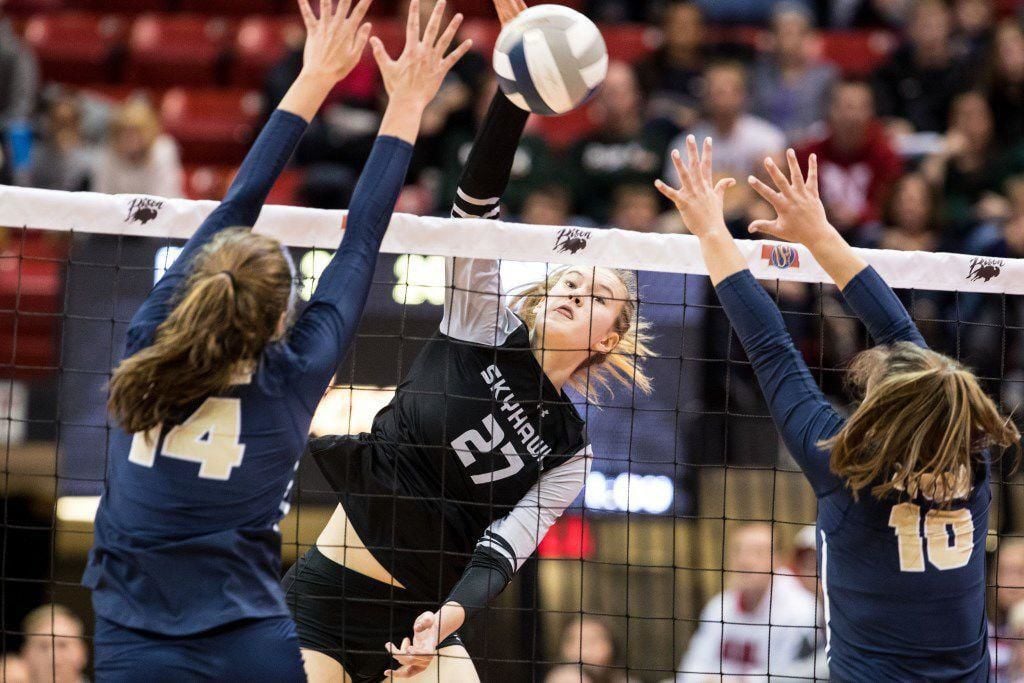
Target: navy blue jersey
column 186, row 534
column 904, row 577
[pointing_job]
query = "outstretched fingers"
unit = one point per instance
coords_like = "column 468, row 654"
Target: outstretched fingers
column 796, row 176
column 360, row 11
column 768, row 194
column 812, row 175
column 670, row 193
column 693, row 161
column 778, row 177
column 308, row 18
column 412, row 25
column 457, row 54
column 445, row 41
column 434, row 24
column 380, row 53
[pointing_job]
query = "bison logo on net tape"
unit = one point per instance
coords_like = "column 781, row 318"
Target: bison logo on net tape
column 143, row 210
column 571, row 241
column 985, row 269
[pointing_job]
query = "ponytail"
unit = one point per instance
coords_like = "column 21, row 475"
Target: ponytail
column 229, row 310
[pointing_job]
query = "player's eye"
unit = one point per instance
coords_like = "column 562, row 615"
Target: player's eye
column 600, row 300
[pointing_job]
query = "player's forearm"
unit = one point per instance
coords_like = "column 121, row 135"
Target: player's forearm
column 306, row 95
column 451, row 617
column 489, row 167
column 881, row 311
column 402, row 119
column 721, row 255
column 838, row 258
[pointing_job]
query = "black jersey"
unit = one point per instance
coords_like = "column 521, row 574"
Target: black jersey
column 477, row 446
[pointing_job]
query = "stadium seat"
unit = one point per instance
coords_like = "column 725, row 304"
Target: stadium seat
column 76, row 47
column 630, row 42
column 483, row 32
column 18, row 8
column 259, row 44
column 212, row 126
column 177, row 50
column 562, row 131
column 286, row 190
column 857, row 53
column 124, row 6
column 235, row 8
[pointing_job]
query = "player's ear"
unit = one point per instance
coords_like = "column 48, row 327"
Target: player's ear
column 608, row 344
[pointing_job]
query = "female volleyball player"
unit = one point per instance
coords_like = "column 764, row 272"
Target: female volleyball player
column 477, row 455
column 214, row 399
column 903, row 483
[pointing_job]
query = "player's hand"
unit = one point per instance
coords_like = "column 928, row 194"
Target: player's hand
column 416, row 655
column 334, row 40
column 508, row 9
column 699, row 200
column 801, row 215
column 415, row 77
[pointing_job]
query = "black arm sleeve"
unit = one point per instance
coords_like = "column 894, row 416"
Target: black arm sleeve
column 489, row 166
column 483, row 580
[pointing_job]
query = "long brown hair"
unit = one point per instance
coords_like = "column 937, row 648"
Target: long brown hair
column 601, row 370
column 922, row 424
column 228, row 311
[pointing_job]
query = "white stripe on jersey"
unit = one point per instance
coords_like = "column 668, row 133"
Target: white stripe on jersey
column 465, row 214
column 824, row 592
column 477, row 202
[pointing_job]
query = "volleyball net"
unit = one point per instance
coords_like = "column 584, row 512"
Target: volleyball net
column 691, row 491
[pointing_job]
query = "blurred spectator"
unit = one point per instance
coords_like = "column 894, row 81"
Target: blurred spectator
column 673, row 76
column 970, row 169
column 758, row 626
column 19, row 77
column 589, row 654
column 1009, row 594
column 912, row 216
column 741, row 11
column 62, row 160
column 791, row 89
column 917, row 85
column 975, row 25
column 138, row 158
column 548, row 205
column 54, row 649
column 636, row 208
column 533, row 166
column 803, row 564
column 617, row 11
column 1005, row 81
column 621, row 150
column 14, row 670
column 19, row 84
column 869, row 13
column 742, row 141
column 856, row 160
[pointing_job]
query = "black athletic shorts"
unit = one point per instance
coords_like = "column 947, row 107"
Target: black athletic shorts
column 350, row 617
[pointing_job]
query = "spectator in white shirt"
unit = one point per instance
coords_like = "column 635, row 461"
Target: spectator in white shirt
column 761, row 625
column 138, row 158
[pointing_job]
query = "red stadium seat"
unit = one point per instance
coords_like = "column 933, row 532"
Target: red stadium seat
column 286, row 190
column 177, row 50
column 231, row 7
column 483, row 32
column 260, row 43
column 75, row 47
column 125, row 6
column 630, row 42
column 25, row 7
column 212, row 126
column 562, row 131
column 857, row 53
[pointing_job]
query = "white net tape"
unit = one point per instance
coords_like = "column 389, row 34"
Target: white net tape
column 145, row 216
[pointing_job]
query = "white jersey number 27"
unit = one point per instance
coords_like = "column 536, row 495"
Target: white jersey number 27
column 210, row 437
column 948, row 534
column 474, row 440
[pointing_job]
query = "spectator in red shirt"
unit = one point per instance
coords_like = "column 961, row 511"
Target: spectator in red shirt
column 857, row 162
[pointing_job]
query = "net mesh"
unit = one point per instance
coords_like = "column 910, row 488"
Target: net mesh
column 686, row 482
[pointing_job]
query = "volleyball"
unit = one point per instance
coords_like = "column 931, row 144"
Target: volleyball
column 550, row 59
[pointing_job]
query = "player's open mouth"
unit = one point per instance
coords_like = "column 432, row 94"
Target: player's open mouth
column 566, row 310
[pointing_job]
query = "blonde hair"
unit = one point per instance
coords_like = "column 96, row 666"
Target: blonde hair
column 922, row 424
column 229, row 310
column 601, row 370
column 137, row 113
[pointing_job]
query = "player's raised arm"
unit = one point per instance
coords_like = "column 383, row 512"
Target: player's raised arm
column 801, row 218
column 412, row 80
column 334, row 42
column 474, row 304
column 801, row 412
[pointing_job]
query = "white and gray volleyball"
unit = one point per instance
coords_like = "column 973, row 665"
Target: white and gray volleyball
column 550, row 59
